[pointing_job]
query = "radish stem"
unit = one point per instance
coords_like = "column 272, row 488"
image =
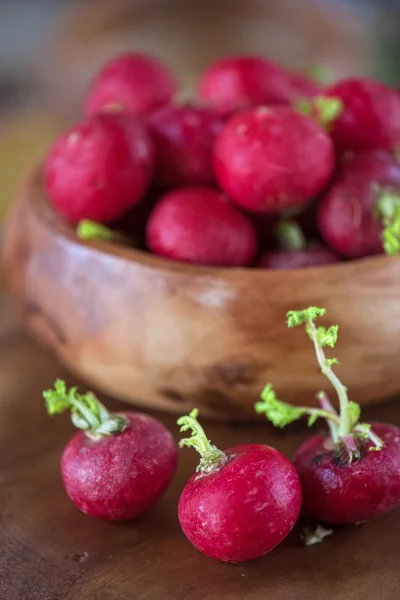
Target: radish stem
column 291, row 236
column 211, row 456
column 87, row 412
column 345, row 427
column 345, row 422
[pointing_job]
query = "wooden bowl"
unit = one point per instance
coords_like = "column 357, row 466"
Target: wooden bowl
column 171, row 336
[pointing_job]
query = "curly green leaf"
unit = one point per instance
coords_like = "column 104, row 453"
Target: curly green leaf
column 300, row 317
column 87, row 412
column 211, row 456
column 327, row 337
column 279, row 413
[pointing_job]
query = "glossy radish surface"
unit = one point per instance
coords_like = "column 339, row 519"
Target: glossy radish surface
column 352, row 474
column 237, row 82
column 370, row 119
column 269, row 159
column 183, row 137
column 100, row 168
column 336, row 491
column 120, row 465
column 364, row 197
column 200, row 226
column 241, row 503
column 135, row 83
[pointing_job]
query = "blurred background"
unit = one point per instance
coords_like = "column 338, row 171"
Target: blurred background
column 49, row 49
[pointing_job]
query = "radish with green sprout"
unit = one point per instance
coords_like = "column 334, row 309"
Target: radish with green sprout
column 119, row 464
column 360, row 214
column 240, row 503
column 352, row 474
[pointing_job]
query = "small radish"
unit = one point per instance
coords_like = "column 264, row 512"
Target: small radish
column 370, row 119
column 99, row 168
column 119, row 465
column 360, row 214
column 239, row 82
column 240, row 503
column 353, row 474
column 269, row 159
column 200, row 226
column 183, row 137
column 295, row 252
column 135, row 83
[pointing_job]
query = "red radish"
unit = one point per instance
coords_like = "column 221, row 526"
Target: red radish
column 238, row 82
column 353, row 474
column 135, row 83
column 370, row 119
column 268, row 159
column 120, row 465
column 295, row 252
column 183, row 137
column 240, row 503
column 99, row 168
column 199, row 225
column 360, row 214
column 367, row 488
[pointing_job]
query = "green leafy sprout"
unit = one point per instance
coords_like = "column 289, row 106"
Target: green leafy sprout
column 388, row 207
column 290, row 235
column 87, row 230
column 326, row 109
column 210, row 456
column 87, row 412
column 344, row 425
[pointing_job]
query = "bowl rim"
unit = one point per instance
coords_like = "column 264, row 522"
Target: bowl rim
column 34, row 186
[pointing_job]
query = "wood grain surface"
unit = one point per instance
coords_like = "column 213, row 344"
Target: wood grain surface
column 50, row 551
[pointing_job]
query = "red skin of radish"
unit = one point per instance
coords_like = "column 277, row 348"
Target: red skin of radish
column 344, row 494
column 120, row 476
column 183, row 137
column 100, row 168
column 370, row 119
column 238, row 82
column 134, row 83
column 200, row 226
column 269, row 159
column 314, row 255
column 244, row 509
column 347, row 214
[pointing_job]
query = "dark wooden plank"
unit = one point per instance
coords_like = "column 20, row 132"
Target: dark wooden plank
column 50, row 551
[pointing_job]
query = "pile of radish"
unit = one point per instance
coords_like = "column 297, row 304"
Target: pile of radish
column 244, row 501
column 264, row 168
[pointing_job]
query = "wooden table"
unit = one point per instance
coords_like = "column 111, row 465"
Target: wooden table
column 50, row 551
